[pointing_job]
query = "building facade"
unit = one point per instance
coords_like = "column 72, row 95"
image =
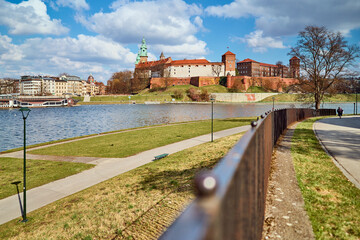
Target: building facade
column 251, row 68
column 59, row 86
column 9, row 86
column 167, row 67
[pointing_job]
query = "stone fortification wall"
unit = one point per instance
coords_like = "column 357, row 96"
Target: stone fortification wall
column 241, row 97
column 195, row 81
column 268, row 83
column 204, row 81
column 169, row 81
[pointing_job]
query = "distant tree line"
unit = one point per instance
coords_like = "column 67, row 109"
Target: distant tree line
column 126, row 82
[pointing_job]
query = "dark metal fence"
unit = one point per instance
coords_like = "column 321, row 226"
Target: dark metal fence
column 231, row 197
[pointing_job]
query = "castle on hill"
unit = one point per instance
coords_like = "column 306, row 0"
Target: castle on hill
column 201, row 72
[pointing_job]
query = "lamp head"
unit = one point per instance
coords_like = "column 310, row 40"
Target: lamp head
column 25, row 112
column 16, row 182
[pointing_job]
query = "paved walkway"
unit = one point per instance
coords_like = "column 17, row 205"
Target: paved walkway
column 341, row 138
column 105, row 169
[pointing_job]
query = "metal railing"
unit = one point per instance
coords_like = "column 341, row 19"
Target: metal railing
column 230, row 201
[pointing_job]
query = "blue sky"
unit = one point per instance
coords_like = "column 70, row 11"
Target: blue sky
column 79, row 37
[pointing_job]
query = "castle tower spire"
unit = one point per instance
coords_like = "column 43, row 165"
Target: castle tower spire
column 142, row 55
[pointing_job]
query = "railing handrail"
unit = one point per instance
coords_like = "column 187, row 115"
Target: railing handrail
column 231, row 197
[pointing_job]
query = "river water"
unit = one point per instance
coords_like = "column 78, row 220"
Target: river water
column 54, row 123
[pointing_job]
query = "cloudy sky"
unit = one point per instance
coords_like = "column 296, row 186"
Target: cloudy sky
column 49, row 37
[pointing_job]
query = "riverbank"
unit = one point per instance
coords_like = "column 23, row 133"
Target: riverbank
column 168, row 97
column 141, row 202
column 89, row 149
column 113, row 208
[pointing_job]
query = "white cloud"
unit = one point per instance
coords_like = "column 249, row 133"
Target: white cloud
column 165, row 24
column 193, row 50
column 29, row 17
column 279, row 18
column 75, row 4
column 260, row 43
column 79, row 56
column 9, row 51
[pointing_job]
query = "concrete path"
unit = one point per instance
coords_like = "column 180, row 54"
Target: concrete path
column 341, row 138
column 105, row 169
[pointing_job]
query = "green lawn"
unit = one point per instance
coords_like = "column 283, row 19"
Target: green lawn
column 255, row 89
column 331, row 201
column 135, row 205
column 129, row 143
column 38, row 172
column 166, row 95
column 292, row 97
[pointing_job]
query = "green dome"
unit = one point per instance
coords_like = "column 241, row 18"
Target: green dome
column 143, row 49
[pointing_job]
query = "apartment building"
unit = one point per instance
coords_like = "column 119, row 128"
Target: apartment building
column 8, row 86
column 58, row 86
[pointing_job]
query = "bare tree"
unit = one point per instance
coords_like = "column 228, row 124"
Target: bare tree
column 216, row 70
column 324, row 57
column 120, row 82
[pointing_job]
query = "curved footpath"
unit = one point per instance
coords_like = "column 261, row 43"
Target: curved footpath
column 105, row 169
column 285, row 216
column 341, row 139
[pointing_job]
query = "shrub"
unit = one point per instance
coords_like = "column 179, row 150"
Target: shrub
column 204, row 96
column 193, row 94
column 178, row 94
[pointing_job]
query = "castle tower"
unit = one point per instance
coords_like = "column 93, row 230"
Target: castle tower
column 294, row 64
column 142, row 55
column 91, row 79
column 162, row 56
column 229, row 59
column 143, row 51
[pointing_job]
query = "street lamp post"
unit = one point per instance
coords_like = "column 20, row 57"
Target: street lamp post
column 212, row 119
column 25, row 113
column 356, row 101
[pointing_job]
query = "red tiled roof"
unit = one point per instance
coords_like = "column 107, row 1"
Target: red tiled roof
column 229, row 53
column 294, row 58
column 189, row 62
column 152, row 63
column 248, row 60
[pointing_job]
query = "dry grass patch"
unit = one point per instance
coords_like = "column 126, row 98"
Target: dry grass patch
column 38, row 172
column 139, row 203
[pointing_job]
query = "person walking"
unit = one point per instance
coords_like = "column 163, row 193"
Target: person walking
column 340, row 111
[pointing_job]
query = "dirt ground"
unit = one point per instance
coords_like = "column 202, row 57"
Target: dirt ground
column 285, row 216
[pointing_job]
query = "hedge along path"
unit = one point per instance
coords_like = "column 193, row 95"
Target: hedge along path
column 140, row 203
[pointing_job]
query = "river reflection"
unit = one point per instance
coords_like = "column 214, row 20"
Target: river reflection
column 47, row 124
